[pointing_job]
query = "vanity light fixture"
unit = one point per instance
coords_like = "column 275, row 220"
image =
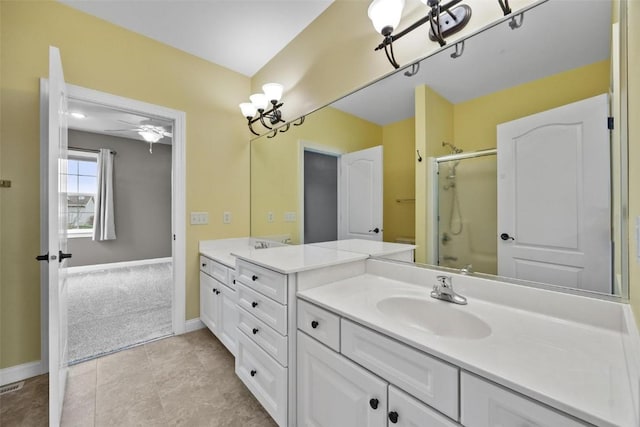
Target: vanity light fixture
column 257, row 109
column 444, row 20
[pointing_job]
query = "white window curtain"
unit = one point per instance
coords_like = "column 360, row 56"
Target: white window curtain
column 104, row 226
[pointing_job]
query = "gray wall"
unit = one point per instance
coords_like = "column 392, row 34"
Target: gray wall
column 142, row 190
column 320, row 197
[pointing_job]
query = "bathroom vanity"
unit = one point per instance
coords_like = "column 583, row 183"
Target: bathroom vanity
column 327, row 337
column 375, row 349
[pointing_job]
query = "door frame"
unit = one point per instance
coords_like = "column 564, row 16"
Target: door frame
column 178, row 199
column 321, row 149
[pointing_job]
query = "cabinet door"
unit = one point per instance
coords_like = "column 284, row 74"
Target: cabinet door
column 209, row 301
column 406, row 411
column 335, row 392
column 228, row 321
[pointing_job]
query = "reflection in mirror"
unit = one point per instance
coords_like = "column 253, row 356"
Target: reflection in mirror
column 449, row 202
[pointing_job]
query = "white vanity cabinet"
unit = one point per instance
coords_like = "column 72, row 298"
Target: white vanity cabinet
column 262, row 358
column 335, row 389
column 370, row 379
column 218, row 309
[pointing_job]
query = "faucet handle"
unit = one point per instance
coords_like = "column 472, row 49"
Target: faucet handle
column 445, row 281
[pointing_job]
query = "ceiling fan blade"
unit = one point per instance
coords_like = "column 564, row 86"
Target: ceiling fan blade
column 122, row 130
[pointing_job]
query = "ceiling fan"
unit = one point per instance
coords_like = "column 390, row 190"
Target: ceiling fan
column 148, row 132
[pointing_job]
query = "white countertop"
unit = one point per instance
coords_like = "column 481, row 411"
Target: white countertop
column 577, row 368
column 369, row 247
column 292, row 259
column 220, row 250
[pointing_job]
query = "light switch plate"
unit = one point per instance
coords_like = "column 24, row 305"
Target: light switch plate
column 199, row 218
column 269, row 216
column 289, row 217
column 226, row 218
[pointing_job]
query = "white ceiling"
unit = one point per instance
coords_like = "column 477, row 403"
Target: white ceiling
column 555, row 36
column 108, row 121
column 240, row 35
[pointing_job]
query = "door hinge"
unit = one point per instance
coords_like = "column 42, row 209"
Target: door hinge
column 610, row 123
column 174, row 237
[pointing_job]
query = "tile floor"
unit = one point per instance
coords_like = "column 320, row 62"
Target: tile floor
column 186, row 380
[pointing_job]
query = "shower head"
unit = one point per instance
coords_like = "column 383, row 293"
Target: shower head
column 454, row 149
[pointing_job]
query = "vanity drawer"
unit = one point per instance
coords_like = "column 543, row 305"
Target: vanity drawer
column 320, row 324
column 263, row 280
column 264, row 377
column 264, row 308
column 218, row 271
column 426, row 378
column 268, row 339
column 204, row 264
column 484, row 404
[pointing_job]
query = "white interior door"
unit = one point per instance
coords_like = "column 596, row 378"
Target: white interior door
column 554, row 197
column 57, row 228
column 360, row 211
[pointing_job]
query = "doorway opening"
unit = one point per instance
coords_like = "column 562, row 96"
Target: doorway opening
column 129, row 290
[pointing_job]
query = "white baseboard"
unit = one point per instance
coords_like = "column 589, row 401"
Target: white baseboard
column 124, row 264
column 193, row 325
column 20, row 372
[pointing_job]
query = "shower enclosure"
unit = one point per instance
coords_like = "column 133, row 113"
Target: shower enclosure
column 464, row 203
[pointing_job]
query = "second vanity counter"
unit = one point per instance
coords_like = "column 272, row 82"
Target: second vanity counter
column 570, row 354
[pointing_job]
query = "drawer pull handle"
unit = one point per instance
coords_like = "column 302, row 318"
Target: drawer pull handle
column 254, row 277
column 393, row 417
column 253, row 372
column 374, row 403
column 204, row 265
column 234, row 281
column 254, row 304
column 314, row 325
column 214, row 290
column 254, row 330
column 217, row 292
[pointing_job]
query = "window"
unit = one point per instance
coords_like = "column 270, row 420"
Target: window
column 81, row 192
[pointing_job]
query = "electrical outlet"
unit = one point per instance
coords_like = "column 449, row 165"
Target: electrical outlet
column 289, row 217
column 199, row 218
column 226, row 218
column 269, row 216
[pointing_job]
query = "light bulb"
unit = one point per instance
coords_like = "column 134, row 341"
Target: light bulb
column 273, row 92
column 248, row 110
column 149, row 136
column 385, row 15
column 259, row 101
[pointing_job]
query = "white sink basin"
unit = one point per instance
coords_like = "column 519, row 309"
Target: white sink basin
column 436, row 317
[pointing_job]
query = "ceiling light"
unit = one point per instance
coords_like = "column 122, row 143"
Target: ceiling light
column 150, row 136
column 77, row 115
column 256, row 110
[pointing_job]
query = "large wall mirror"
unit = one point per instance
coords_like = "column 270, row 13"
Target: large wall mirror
column 494, row 152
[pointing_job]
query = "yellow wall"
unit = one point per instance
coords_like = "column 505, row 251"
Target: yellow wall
column 476, row 120
column 398, row 141
column 633, row 71
column 275, row 165
column 101, row 56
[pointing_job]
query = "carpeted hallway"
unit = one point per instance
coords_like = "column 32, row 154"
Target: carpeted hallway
column 116, row 308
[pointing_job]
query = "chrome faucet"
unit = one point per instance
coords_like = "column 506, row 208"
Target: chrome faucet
column 444, row 291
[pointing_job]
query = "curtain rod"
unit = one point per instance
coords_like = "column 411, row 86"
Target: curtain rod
column 88, row 150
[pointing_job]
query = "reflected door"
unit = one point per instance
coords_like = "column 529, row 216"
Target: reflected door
column 361, row 195
column 554, row 197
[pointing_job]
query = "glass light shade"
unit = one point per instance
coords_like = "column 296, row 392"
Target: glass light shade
column 385, row 13
column 273, row 91
column 248, row 110
column 259, row 101
column 149, row 136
